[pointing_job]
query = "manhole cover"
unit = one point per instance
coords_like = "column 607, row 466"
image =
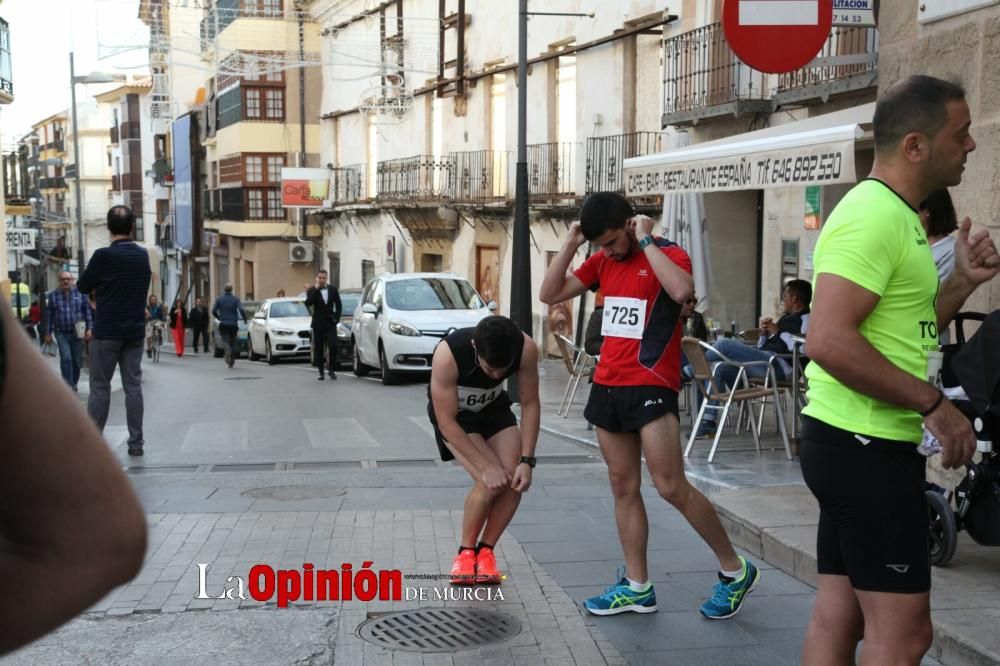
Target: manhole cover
column 439, row 629
column 237, row 379
column 293, row 493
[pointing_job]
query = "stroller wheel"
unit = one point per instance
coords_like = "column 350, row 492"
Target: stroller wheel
column 943, row 528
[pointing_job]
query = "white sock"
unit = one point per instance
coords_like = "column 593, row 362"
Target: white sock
column 734, row 574
column 637, row 587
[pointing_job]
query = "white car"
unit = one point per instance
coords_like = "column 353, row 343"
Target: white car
column 401, row 318
column 280, row 329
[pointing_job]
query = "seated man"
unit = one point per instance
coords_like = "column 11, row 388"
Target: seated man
column 775, row 338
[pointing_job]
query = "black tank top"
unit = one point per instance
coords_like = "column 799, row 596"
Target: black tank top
column 476, row 389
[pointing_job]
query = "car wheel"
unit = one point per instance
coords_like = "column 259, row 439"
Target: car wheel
column 217, row 350
column 267, row 352
column 388, row 376
column 360, row 369
column 250, row 352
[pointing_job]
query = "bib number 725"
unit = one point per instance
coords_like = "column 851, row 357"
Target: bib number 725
column 625, row 316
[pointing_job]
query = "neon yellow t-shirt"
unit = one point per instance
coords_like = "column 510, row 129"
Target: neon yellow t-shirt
column 874, row 239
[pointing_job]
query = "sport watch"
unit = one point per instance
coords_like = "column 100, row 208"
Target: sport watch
column 645, row 240
column 530, row 461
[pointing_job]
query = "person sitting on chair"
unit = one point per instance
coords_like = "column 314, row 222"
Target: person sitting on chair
column 776, row 337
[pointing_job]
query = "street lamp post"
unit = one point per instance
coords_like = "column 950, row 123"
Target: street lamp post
column 73, row 80
column 520, row 285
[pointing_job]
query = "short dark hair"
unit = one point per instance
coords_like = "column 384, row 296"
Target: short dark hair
column 917, row 103
column 941, row 216
column 495, row 338
column 603, row 212
column 323, row 271
column 228, row 288
column 121, row 220
column 803, row 291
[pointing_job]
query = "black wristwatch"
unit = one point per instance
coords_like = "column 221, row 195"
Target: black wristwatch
column 530, row 461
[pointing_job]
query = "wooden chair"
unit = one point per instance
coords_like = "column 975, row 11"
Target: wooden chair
column 740, row 393
column 579, row 363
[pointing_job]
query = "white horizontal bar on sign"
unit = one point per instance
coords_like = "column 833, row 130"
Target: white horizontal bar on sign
column 779, row 12
column 795, row 140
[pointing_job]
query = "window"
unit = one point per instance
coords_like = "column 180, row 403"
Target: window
column 252, row 104
column 274, row 164
column 275, row 104
column 264, row 203
column 255, row 204
column 230, row 170
column 254, row 169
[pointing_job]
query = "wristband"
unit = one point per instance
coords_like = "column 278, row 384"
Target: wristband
column 529, row 461
column 644, row 241
column 937, row 403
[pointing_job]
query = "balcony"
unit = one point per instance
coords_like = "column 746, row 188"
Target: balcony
column 606, row 154
column 703, row 78
column 550, row 172
column 417, row 178
column 131, row 182
column 847, row 62
column 349, row 184
column 479, row 177
column 129, row 130
column 57, row 183
column 114, row 136
column 116, row 183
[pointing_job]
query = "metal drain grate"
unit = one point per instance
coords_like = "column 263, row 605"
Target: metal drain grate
column 439, row 629
column 294, row 493
column 237, row 379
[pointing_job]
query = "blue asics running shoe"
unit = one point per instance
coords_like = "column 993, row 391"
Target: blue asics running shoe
column 728, row 593
column 620, row 598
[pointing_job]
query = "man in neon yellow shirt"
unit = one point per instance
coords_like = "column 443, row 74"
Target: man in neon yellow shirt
column 877, row 308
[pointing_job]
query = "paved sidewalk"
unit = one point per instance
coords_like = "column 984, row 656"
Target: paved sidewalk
column 768, row 511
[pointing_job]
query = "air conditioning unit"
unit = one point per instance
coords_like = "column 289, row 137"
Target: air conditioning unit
column 300, row 253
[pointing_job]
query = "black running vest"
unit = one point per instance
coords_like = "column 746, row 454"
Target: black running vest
column 477, row 390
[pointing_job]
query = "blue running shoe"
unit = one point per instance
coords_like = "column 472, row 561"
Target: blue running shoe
column 728, row 594
column 620, row 598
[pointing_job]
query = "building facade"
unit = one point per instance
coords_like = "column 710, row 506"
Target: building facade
column 6, row 97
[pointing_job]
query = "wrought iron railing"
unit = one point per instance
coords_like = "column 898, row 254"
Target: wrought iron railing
column 605, row 155
column 848, row 52
column 57, row 182
column 477, row 176
column 700, row 70
column 417, row 178
column 348, row 184
column 550, row 171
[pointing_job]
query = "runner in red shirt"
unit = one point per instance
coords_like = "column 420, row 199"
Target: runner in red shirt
column 633, row 402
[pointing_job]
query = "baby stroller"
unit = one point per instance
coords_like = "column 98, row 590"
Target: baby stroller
column 970, row 376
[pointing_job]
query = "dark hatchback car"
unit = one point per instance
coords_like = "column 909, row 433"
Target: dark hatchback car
column 349, row 298
column 249, row 308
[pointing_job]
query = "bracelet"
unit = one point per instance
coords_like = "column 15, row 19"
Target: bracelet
column 530, row 461
column 644, row 241
column 937, row 403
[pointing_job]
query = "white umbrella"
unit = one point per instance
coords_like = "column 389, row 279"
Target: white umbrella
column 684, row 223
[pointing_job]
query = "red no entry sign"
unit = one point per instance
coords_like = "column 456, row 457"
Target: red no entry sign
column 777, row 36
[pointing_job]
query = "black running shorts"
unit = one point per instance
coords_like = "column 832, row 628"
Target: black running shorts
column 488, row 422
column 628, row 408
column 873, row 525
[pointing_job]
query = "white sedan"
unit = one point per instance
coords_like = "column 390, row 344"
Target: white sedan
column 280, row 329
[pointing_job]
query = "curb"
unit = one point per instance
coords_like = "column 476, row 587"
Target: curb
column 704, row 484
column 791, row 548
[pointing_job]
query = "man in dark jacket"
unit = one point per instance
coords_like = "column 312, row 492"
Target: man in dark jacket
column 198, row 321
column 228, row 310
column 324, row 299
column 120, row 275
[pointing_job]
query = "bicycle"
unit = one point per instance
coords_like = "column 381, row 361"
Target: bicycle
column 156, row 335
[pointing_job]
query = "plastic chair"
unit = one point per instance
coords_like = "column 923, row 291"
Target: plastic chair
column 740, row 393
column 578, row 362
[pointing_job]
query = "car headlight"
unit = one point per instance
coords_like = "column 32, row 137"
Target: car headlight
column 402, row 328
column 343, row 331
column 281, row 331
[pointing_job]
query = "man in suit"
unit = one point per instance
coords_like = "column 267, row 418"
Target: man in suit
column 324, row 300
column 198, row 320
